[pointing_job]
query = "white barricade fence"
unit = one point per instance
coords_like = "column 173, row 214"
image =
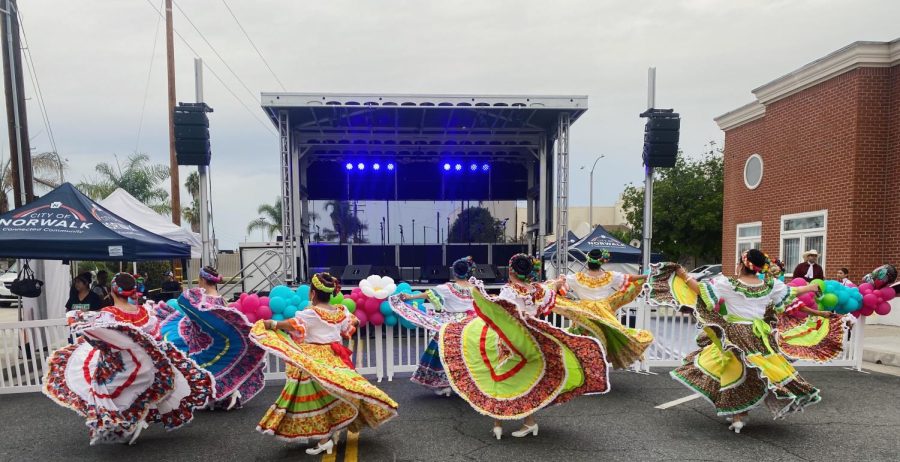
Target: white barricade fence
column 24, row 349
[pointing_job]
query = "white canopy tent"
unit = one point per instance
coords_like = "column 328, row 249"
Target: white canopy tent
column 126, row 206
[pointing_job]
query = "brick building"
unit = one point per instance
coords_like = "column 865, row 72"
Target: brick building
column 814, row 162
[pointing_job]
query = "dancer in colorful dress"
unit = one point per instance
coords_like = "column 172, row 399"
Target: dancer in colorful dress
column 592, row 299
column 738, row 366
column 324, row 394
column 217, row 338
column 450, row 302
column 508, row 364
column 119, row 378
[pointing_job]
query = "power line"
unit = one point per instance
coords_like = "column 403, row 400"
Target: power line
column 32, row 72
column 216, row 75
column 137, row 143
column 216, row 52
column 254, row 45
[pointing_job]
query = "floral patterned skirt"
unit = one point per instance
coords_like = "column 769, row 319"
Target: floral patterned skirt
column 815, row 338
column 430, row 372
column 322, row 395
column 508, row 366
column 623, row 345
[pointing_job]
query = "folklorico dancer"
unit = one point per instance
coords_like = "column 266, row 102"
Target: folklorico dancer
column 508, row 364
column 739, row 365
column 118, row 377
column 592, row 299
column 449, row 302
column 323, row 394
column 217, row 338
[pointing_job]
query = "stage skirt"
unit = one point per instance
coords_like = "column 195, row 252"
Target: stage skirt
column 624, row 345
column 322, row 394
column 508, row 365
column 117, row 378
column 217, row 338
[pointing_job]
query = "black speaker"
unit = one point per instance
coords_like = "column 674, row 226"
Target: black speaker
column 487, row 273
column 435, row 274
column 355, row 273
column 661, row 135
column 392, row 272
column 337, row 271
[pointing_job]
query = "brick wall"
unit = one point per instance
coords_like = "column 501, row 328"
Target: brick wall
column 829, row 147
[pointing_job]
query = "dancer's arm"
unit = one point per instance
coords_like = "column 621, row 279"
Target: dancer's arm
column 691, row 282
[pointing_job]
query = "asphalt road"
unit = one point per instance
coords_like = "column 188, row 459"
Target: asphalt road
column 857, row 420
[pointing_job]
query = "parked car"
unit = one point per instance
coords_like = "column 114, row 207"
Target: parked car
column 7, row 298
column 705, row 272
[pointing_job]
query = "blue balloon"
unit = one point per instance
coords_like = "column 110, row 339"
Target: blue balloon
column 390, row 320
column 281, row 291
column 290, row 311
column 296, row 300
column 385, row 308
column 278, row 317
column 404, row 288
column 852, row 305
column 303, row 292
column 406, row 324
column 303, row 305
column 277, row 304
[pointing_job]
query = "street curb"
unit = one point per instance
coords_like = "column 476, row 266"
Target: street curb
column 881, row 356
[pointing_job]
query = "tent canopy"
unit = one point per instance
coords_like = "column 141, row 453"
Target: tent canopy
column 550, row 250
column 126, row 206
column 618, row 251
column 67, row 225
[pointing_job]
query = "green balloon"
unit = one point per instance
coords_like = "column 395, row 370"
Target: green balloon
column 350, row 304
column 337, row 299
column 829, row 300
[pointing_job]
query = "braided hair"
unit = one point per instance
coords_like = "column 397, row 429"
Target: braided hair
column 323, row 286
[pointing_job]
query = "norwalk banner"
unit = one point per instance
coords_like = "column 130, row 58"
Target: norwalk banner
column 67, row 225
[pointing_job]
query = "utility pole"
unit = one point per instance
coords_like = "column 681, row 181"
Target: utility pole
column 17, row 120
column 591, row 211
column 648, row 183
column 173, row 160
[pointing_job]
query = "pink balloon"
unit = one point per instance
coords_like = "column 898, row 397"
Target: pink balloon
column 251, row 317
column 263, row 301
column 866, row 287
column 867, row 310
column 883, row 308
column 372, row 306
column 363, row 318
column 243, row 296
column 356, row 291
column 376, row 318
column 264, row 312
column 870, row 300
column 809, row 300
column 857, row 314
column 797, row 282
column 251, row 302
column 887, row 293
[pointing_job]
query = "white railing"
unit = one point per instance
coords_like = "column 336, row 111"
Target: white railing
column 383, row 351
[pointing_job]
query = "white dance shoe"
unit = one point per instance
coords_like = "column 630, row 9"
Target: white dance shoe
column 326, row 447
column 737, row 426
column 446, row 391
column 526, row 430
column 498, row 432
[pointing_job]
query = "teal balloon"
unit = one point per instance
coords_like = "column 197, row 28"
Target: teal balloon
column 303, row 305
column 385, row 308
column 281, row 291
column 852, row 305
column 390, row 320
column 303, row 292
column 404, row 288
column 295, row 300
column 406, row 324
column 277, row 317
column 290, row 311
column 277, row 304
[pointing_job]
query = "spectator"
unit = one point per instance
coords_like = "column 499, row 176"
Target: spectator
column 82, row 298
column 809, row 269
column 776, row 270
column 842, row 276
column 101, row 287
column 170, row 287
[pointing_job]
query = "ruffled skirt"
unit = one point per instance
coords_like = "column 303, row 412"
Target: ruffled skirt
column 322, row 395
column 815, row 338
column 624, row 345
column 508, row 366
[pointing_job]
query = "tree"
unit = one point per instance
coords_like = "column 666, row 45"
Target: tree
column 46, row 168
column 139, row 178
column 623, row 235
column 687, row 208
column 270, row 221
column 476, row 224
column 192, row 213
column 345, row 223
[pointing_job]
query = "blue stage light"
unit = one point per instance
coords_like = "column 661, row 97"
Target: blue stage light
column 457, row 167
column 446, row 167
column 361, row 166
column 349, row 166
column 485, row 167
column 376, row 166
column 473, row 167
column 390, row 167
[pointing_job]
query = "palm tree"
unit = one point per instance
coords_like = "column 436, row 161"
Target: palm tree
column 270, row 221
column 138, row 177
column 345, row 223
column 46, row 170
column 192, row 213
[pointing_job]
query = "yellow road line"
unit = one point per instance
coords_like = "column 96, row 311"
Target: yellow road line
column 330, row 457
column 352, row 450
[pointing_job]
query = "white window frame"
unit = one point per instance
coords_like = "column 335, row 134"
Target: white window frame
column 762, row 169
column 744, row 240
column 803, row 234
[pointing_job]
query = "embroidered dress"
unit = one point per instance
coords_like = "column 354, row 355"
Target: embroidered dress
column 592, row 304
column 738, row 365
column 449, row 302
column 217, row 338
column 811, row 338
column 323, row 393
column 118, row 377
column 508, row 364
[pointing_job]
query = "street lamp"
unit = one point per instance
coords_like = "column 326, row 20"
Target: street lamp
column 591, row 210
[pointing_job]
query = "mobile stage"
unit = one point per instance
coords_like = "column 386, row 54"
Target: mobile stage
column 518, row 144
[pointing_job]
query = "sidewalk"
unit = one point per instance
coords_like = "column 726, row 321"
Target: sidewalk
column 881, row 345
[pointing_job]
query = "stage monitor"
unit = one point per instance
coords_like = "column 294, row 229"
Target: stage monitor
column 392, row 272
column 355, row 273
column 485, row 272
column 435, row 274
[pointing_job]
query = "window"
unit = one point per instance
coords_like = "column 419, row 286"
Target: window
column 753, row 171
column 801, row 232
column 749, row 236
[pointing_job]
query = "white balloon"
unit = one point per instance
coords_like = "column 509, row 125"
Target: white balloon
column 378, row 287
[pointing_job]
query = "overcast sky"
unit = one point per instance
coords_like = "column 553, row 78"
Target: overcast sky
column 93, row 59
